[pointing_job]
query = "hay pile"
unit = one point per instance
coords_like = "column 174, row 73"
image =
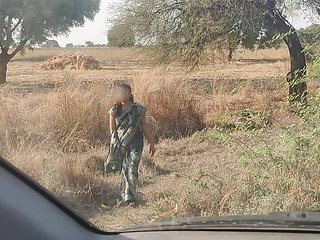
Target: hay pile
column 71, row 61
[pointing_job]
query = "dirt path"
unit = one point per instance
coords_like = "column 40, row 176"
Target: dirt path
column 164, row 176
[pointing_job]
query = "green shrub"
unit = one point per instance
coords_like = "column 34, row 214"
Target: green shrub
column 281, row 174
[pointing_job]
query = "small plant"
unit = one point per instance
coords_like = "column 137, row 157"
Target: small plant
column 211, row 134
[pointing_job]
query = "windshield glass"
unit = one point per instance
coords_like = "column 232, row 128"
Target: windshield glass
column 135, row 112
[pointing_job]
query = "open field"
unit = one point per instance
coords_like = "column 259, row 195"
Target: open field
column 226, row 142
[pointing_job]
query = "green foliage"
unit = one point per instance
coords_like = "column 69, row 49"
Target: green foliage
column 262, row 36
column 121, row 36
column 50, row 44
column 269, row 38
column 310, row 39
column 33, row 21
column 315, row 67
column 188, row 31
column 245, row 120
column 212, row 135
column 293, row 156
column 310, row 36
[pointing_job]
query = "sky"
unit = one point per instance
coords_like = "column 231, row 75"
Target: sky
column 96, row 31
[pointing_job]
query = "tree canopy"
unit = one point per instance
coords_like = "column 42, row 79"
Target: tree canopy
column 310, row 36
column 121, row 35
column 185, row 30
column 29, row 22
column 89, row 44
column 50, row 44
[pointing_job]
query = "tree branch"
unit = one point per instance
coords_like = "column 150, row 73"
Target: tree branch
column 8, row 33
column 16, row 25
column 18, row 49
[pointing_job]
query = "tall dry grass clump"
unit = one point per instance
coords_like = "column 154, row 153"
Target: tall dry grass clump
column 12, row 122
column 59, row 139
column 19, row 124
column 78, row 117
column 173, row 110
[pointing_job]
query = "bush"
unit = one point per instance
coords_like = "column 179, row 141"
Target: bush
column 281, row 174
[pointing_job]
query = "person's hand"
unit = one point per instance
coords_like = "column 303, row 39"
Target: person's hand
column 152, row 150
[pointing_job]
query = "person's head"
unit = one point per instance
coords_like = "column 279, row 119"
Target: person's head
column 124, row 93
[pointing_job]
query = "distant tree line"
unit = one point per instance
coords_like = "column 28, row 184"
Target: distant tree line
column 50, row 44
column 88, row 44
column 119, row 35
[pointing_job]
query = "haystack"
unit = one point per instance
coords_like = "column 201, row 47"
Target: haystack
column 71, row 61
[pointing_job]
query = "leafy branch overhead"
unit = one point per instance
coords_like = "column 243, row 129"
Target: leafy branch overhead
column 187, row 30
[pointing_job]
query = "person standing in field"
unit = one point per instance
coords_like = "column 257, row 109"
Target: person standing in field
column 128, row 127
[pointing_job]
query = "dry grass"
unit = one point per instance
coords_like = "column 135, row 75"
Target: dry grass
column 78, row 116
column 71, row 61
column 174, row 111
column 54, row 127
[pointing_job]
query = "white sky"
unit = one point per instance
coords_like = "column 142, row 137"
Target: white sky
column 96, row 31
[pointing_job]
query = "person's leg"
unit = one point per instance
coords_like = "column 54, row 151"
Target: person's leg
column 124, row 186
column 129, row 175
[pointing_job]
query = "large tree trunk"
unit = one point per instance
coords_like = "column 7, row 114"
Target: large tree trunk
column 297, row 75
column 4, row 60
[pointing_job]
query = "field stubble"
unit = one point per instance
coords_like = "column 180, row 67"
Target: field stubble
column 221, row 133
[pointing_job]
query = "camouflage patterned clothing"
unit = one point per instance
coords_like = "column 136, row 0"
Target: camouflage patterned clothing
column 129, row 135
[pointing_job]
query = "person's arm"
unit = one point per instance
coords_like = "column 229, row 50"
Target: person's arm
column 148, row 134
column 112, row 123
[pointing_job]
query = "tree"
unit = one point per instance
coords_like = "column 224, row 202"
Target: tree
column 310, row 35
column 310, row 39
column 260, row 37
column 50, row 44
column 185, row 30
column 120, row 35
column 25, row 23
column 69, row 45
column 89, row 44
